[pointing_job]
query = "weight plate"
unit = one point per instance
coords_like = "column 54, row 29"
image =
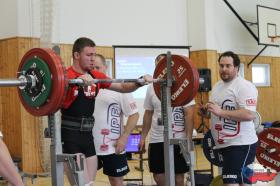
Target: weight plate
column 186, row 77
column 38, row 95
column 212, row 155
column 268, row 148
column 58, row 81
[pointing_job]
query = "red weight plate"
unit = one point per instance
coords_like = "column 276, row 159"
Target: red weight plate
column 268, row 150
column 186, row 78
column 59, row 82
column 61, row 78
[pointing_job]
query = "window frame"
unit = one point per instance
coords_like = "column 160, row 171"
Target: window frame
column 267, row 81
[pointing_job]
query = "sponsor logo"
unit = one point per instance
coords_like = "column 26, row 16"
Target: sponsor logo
column 122, row 169
column 251, row 102
column 230, row 176
column 133, row 106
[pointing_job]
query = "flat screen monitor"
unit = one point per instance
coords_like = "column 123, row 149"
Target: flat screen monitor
column 133, row 142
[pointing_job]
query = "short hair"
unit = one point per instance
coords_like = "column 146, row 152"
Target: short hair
column 236, row 60
column 102, row 59
column 160, row 56
column 81, row 43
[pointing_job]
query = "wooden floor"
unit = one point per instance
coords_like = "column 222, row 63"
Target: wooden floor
column 102, row 180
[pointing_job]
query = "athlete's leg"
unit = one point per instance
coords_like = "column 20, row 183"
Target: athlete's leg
column 90, row 169
column 116, row 181
column 179, row 179
column 159, row 179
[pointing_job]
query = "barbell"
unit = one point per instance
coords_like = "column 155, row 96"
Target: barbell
column 42, row 82
column 268, row 148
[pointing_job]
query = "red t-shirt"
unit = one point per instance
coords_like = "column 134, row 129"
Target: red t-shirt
column 89, row 91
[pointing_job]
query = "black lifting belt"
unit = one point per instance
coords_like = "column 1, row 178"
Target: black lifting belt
column 77, row 123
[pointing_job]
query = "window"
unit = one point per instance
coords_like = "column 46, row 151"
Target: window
column 261, row 74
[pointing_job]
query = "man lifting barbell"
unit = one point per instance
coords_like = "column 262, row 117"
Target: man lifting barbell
column 232, row 108
column 78, row 107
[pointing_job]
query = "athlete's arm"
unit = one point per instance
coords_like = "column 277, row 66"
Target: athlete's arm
column 130, row 87
column 147, row 122
column 130, row 125
column 203, row 112
column 189, row 121
column 241, row 114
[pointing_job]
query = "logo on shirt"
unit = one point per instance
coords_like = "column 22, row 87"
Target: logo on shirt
column 178, row 124
column 226, row 129
column 89, row 91
column 251, row 102
column 230, row 176
column 133, row 106
column 114, row 118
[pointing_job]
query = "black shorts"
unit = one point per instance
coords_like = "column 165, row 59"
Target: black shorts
column 75, row 141
column 156, row 159
column 237, row 163
column 114, row 165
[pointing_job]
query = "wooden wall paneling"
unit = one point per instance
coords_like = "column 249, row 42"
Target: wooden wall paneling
column 268, row 96
column 19, row 126
column 276, row 85
column 108, row 53
column 30, row 124
column 212, row 63
column 204, row 59
column 10, row 110
column 66, row 54
column 1, row 76
column 3, row 57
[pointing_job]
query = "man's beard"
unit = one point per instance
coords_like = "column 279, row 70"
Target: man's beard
column 226, row 77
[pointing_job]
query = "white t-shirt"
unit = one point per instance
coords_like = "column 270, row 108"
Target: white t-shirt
column 1, row 135
column 178, row 122
column 236, row 94
column 110, row 106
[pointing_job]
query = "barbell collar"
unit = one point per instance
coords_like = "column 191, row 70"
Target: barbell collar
column 21, row 82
